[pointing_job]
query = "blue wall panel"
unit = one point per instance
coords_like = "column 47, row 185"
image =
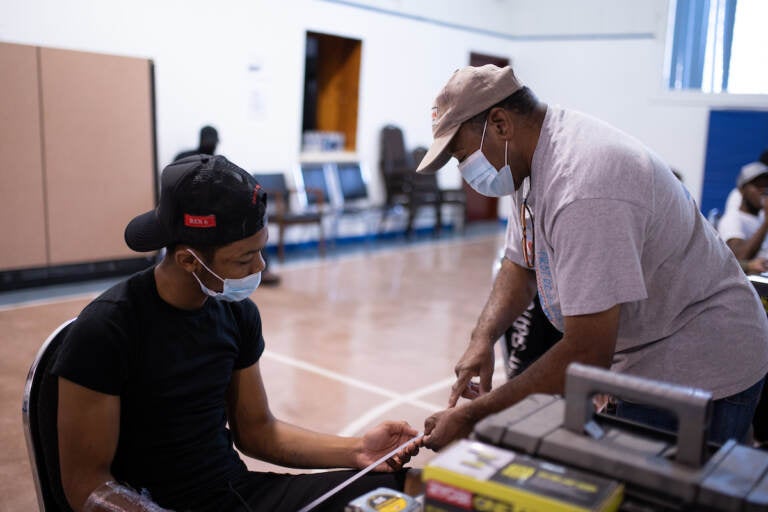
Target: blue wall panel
column 736, row 137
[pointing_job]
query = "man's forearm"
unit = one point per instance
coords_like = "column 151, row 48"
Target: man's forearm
column 589, row 339
column 513, row 290
column 292, row 446
column 546, row 375
column 750, row 247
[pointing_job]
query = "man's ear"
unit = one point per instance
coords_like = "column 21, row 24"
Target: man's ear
column 185, row 259
column 500, row 123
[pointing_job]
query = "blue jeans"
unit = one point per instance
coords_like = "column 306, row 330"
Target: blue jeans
column 731, row 416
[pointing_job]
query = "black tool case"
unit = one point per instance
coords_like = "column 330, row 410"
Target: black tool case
column 662, row 471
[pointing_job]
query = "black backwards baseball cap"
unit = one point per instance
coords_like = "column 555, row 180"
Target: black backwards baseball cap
column 205, row 201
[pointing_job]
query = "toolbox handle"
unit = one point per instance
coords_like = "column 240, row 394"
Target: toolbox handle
column 693, row 407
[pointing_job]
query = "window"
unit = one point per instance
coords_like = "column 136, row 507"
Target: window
column 718, row 46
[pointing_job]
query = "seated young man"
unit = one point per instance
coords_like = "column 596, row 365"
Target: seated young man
column 745, row 229
column 152, row 371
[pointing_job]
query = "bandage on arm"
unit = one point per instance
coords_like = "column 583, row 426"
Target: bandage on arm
column 115, row 497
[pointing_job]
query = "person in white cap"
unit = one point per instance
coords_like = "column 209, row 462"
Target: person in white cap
column 624, row 263
column 745, row 229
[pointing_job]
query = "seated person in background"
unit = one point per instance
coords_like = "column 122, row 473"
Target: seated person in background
column 744, row 229
column 209, row 139
column 152, row 371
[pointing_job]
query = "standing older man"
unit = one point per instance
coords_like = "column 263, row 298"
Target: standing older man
column 625, row 265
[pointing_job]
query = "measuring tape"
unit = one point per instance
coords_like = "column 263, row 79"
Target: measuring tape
column 362, row 472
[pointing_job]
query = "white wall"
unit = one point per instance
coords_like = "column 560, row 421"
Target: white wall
column 611, row 65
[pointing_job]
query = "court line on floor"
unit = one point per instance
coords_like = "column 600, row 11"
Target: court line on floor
column 395, row 399
column 369, row 416
column 345, row 379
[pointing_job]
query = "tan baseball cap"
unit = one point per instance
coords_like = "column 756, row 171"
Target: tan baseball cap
column 469, row 91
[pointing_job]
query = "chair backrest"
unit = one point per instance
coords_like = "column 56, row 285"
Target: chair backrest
column 273, row 182
column 423, row 182
column 275, row 185
column 394, row 158
column 314, row 176
column 351, row 181
column 418, row 154
column 39, row 409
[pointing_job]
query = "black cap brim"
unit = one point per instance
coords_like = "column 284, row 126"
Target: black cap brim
column 145, row 233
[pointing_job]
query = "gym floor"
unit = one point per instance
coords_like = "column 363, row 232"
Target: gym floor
column 363, row 335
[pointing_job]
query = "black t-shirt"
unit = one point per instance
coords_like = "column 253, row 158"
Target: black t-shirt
column 185, row 154
column 528, row 338
column 171, row 369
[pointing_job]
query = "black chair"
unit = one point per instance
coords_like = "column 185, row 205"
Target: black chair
column 402, row 186
column 279, row 209
column 39, row 410
column 427, row 184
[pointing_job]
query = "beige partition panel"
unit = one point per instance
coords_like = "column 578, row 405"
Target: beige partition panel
column 98, row 147
column 22, row 211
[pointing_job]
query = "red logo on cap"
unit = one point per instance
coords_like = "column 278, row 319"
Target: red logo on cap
column 255, row 193
column 199, row 221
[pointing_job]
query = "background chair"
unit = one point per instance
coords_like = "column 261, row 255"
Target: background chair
column 353, row 192
column 402, row 186
column 313, row 178
column 279, row 209
column 428, row 183
column 38, row 410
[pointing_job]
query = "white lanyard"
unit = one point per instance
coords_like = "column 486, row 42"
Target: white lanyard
column 359, row 474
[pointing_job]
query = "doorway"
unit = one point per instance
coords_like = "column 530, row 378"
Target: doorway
column 331, row 82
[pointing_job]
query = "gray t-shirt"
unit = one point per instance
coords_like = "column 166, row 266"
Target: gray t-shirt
column 612, row 226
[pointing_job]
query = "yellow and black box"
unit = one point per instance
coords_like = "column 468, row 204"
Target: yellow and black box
column 470, row 475
column 383, row 500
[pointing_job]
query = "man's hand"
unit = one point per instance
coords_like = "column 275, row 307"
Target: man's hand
column 384, row 438
column 478, row 360
column 513, row 290
column 445, row 426
column 756, row 266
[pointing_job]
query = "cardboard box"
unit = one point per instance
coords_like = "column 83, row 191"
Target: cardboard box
column 470, row 475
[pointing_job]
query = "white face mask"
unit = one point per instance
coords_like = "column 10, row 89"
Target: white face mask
column 482, row 176
column 234, row 290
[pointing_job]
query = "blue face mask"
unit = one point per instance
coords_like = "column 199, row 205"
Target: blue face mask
column 234, row 290
column 482, row 176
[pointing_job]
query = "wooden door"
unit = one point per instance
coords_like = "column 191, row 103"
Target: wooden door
column 22, row 208
column 99, row 151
